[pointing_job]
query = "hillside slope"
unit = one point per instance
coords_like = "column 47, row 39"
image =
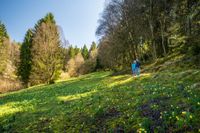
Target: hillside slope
column 165, row 101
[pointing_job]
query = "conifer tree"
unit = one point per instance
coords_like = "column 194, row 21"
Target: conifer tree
column 46, row 52
column 93, row 46
column 76, row 50
column 85, row 52
column 71, row 52
column 25, row 64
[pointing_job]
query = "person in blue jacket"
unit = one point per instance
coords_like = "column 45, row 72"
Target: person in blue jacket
column 137, row 67
column 133, row 67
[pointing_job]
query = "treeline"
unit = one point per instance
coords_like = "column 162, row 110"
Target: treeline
column 81, row 60
column 147, row 30
column 9, row 59
column 128, row 30
column 41, row 58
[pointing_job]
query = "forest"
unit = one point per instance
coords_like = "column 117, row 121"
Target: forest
column 94, row 86
column 128, row 30
column 42, row 57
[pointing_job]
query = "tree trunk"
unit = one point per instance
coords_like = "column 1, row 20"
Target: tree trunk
column 152, row 30
column 162, row 35
column 188, row 19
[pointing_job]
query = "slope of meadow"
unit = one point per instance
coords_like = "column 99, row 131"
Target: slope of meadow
column 168, row 100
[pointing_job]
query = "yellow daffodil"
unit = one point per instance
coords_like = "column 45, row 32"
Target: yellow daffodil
column 184, row 112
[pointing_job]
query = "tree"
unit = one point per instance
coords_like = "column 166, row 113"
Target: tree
column 71, row 52
column 130, row 29
column 3, row 31
column 93, row 47
column 25, row 65
column 85, row 52
column 48, row 18
column 75, row 64
column 76, row 50
column 4, row 48
column 46, row 52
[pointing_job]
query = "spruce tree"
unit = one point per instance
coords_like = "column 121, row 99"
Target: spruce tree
column 46, row 52
column 85, row 52
column 93, row 46
column 3, row 31
column 25, row 64
column 48, row 18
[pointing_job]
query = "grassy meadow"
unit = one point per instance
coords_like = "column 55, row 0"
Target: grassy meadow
column 100, row 102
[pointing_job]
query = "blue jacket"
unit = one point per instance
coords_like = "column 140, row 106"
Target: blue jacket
column 133, row 65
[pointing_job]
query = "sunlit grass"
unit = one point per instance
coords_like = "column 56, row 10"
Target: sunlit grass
column 120, row 82
column 14, row 107
column 9, row 109
column 76, row 97
column 97, row 100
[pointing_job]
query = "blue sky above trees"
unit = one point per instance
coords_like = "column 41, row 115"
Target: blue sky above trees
column 78, row 18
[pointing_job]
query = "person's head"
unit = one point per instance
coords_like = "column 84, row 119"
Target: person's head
column 134, row 61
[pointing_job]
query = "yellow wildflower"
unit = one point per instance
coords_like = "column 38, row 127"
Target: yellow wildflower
column 184, row 112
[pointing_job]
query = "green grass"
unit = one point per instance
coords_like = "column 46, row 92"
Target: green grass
column 98, row 102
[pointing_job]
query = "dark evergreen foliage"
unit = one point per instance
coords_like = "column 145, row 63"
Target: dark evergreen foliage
column 24, row 68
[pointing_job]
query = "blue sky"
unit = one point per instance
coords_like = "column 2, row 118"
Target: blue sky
column 78, row 18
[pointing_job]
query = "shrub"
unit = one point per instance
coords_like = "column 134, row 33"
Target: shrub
column 7, row 84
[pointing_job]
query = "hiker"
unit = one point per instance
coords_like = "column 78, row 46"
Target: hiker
column 137, row 68
column 133, row 66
